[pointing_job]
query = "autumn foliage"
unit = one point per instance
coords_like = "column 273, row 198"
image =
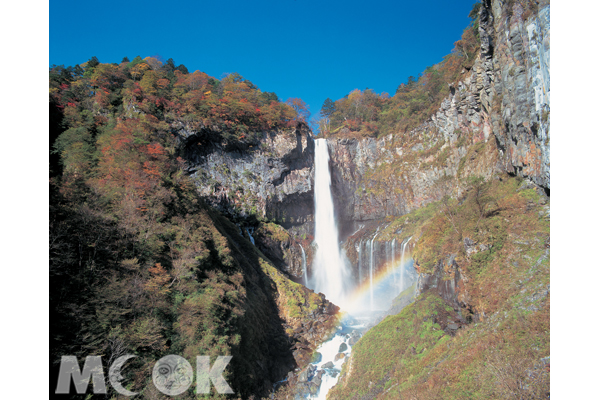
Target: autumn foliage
column 233, row 107
column 138, row 264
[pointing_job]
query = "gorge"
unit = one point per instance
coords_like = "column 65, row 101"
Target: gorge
column 401, row 252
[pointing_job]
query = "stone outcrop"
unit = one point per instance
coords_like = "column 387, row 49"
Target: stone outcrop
column 447, row 281
column 308, row 334
column 393, row 175
column 517, row 49
column 270, row 177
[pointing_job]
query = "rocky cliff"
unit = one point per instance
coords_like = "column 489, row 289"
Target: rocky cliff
column 265, row 185
column 516, row 52
column 267, row 178
column 481, row 247
column 495, row 119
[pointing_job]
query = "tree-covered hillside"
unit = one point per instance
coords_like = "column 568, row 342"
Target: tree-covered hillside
column 139, row 264
column 94, row 96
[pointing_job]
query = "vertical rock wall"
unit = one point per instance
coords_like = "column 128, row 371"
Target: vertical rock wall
column 270, row 178
column 520, row 39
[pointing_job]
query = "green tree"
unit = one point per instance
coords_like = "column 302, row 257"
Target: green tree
column 474, row 14
column 328, row 108
column 169, row 66
column 135, row 62
column 182, row 68
column 93, row 62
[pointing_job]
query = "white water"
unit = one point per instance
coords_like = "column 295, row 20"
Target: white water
column 381, row 292
column 330, row 274
column 304, row 266
column 402, row 264
column 371, row 270
column 360, row 262
column 328, row 351
column 394, row 258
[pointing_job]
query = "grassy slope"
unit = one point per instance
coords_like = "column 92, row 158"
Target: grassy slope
column 409, row 356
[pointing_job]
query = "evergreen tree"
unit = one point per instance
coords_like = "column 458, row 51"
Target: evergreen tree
column 328, row 108
column 93, row 62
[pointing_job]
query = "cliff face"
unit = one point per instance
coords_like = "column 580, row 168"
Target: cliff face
column 394, row 175
column 516, row 47
column 504, row 98
column 482, row 257
column 271, row 177
column 268, row 178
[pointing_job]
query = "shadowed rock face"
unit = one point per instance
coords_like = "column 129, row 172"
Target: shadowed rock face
column 270, row 177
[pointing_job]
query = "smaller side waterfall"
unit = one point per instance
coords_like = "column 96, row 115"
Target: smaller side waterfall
column 359, row 262
column 394, row 258
column 304, row 266
column 388, row 257
column 250, row 231
column 371, row 269
column 402, row 264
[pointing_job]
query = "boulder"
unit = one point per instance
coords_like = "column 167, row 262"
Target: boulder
column 328, row 364
column 316, row 357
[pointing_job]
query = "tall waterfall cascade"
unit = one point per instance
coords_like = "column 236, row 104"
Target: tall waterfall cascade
column 370, row 296
column 330, row 275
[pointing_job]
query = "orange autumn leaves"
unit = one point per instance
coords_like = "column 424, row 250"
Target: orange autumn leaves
column 133, row 165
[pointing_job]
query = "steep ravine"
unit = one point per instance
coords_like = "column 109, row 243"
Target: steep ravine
column 495, row 125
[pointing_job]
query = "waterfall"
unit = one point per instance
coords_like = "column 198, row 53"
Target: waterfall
column 359, row 262
column 330, row 274
column 402, row 264
column 250, row 231
column 371, row 269
column 394, row 258
column 304, row 266
column 387, row 256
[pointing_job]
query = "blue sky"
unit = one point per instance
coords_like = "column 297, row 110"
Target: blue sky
column 296, row 48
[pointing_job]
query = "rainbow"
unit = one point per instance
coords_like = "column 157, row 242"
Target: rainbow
column 384, row 288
